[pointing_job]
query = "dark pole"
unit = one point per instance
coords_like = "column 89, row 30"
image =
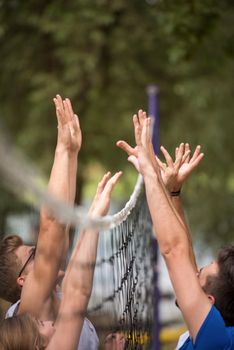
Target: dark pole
column 153, row 112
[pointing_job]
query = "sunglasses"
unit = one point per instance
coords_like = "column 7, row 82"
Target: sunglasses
column 31, row 257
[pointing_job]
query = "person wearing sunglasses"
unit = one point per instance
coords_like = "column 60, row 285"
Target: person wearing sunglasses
column 26, row 332
column 30, row 258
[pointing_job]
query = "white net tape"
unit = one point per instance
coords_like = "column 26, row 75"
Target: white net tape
column 24, row 180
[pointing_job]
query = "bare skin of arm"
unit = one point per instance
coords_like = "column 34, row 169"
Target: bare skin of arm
column 175, row 173
column 53, row 235
column 64, row 114
column 77, row 285
column 171, row 232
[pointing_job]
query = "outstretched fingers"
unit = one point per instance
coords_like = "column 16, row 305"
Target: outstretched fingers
column 103, row 182
column 77, row 122
column 160, row 163
column 68, row 110
column 145, row 137
column 141, row 117
column 187, row 152
column 137, row 130
column 196, row 153
column 186, row 157
column 179, row 156
column 167, row 157
column 99, row 191
column 126, row 147
column 61, row 119
column 197, row 160
column 110, row 184
column 69, row 107
column 101, row 203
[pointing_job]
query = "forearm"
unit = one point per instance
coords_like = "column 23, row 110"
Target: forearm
column 53, row 235
column 73, row 165
column 59, row 184
column 62, row 182
column 168, row 226
column 177, row 203
column 80, row 271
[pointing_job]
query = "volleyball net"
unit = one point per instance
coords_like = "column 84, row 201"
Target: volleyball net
column 123, row 290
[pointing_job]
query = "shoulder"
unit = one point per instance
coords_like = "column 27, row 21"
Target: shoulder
column 213, row 334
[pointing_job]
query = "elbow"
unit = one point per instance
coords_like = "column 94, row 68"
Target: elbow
column 83, row 290
column 176, row 248
column 48, row 221
column 77, row 291
column 46, row 216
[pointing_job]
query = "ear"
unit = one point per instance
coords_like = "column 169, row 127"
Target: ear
column 20, row 281
column 211, row 299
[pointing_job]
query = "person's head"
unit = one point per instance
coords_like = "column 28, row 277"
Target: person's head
column 25, row 333
column 217, row 280
column 15, row 263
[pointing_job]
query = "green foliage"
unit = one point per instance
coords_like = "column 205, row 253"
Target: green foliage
column 102, row 54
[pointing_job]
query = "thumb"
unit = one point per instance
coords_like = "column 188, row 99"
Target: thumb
column 125, row 147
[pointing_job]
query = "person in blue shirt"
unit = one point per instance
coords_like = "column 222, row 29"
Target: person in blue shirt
column 205, row 297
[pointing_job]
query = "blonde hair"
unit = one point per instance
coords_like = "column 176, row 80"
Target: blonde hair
column 20, row 333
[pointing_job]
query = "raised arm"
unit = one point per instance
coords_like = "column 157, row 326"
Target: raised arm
column 171, row 233
column 77, row 284
column 174, row 174
column 64, row 114
column 53, row 235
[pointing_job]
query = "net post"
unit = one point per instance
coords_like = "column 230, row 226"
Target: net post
column 153, row 112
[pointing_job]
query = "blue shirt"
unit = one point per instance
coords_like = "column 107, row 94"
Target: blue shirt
column 213, row 334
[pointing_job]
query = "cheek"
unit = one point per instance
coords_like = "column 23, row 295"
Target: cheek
column 29, row 267
column 47, row 331
column 50, row 332
column 202, row 280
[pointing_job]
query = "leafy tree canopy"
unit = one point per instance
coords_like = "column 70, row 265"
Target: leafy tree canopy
column 102, row 54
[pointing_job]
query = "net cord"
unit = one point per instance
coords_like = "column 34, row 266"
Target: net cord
column 24, row 180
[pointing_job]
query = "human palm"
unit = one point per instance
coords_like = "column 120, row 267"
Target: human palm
column 69, row 132
column 101, row 202
column 175, row 173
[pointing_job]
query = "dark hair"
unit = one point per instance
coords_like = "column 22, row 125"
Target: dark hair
column 9, row 268
column 221, row 286
column 20, row 333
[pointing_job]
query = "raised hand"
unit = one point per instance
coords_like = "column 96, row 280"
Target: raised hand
column 114, row 341
column 69, row 132
column 138, row 121
column 101, row 202
column 175, row 173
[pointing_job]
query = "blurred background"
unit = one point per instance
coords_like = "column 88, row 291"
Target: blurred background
column 102, row 55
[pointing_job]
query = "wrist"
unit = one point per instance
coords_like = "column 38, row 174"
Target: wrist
column 64, row 149
column 152, row 180
column 175, row 193
column 149, row 172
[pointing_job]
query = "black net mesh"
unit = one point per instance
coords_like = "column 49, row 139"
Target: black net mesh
column 123, row 292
